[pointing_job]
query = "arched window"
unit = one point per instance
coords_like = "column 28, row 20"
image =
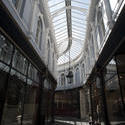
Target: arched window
column 48, row 52
column 62, row 79
column 71, row 78
column 53, row 62
column 77, row 76
column 39, row 33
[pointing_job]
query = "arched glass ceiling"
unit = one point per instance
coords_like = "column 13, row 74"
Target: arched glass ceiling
column 69, row 19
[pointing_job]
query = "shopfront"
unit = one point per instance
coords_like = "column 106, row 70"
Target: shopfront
column 108, row 96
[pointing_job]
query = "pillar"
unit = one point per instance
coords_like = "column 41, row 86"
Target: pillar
column 102, row 83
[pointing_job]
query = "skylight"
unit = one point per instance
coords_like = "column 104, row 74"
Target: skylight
column 69, row 18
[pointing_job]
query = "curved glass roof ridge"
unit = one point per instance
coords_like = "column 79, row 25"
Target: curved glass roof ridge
column 69, row 18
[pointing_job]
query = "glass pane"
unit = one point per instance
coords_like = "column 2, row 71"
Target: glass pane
column 113, row 95
column 121, row 71
column 19, row 62
column 3, row 76
column 30, row 103
column 5, row 50
column 14, row 102
column 33, row 73
column 97, row 101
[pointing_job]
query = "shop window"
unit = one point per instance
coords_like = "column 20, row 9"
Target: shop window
column 14, row 102
column 19, row 62
column 33, row 73
column 30, row 102
column 20, row 90
column 6, row 50
column 113, row 94
column 120, row 60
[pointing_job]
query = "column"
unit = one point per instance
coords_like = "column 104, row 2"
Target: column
column 102, row 83
column 91, row 103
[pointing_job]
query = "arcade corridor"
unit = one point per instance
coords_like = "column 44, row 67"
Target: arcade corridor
column 62, row 62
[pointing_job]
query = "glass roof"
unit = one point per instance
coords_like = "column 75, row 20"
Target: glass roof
column 69, row 19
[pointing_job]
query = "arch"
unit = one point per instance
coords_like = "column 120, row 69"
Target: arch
column 63, row 79
column 48, row 56
column 77, row 76
column 39, row 32
column 71, row 79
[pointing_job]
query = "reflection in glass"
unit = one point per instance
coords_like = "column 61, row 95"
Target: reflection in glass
column 113, row 95
column 14, row 102
column 5, row 50
column 19, row 62
column 30, row 103
column 98, row 113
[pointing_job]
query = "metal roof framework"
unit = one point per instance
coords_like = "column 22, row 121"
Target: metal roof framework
column 69, row 19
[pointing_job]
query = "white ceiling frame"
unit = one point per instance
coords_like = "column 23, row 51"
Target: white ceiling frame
column 78, row 36
column 69, row 7
column 60, row 31
column 74, row 26
column 77, row 39
column 58, row 24
column 61, row 37
column 78, row 18
column 78, row 22
column 63, row 40
column 80, row 26
column 56, row 4
column 58, row 19
column 61, row 34
column 61, row 27
column 77, row 29
column 80, row 2
column 83, row 14
column 78, row 33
